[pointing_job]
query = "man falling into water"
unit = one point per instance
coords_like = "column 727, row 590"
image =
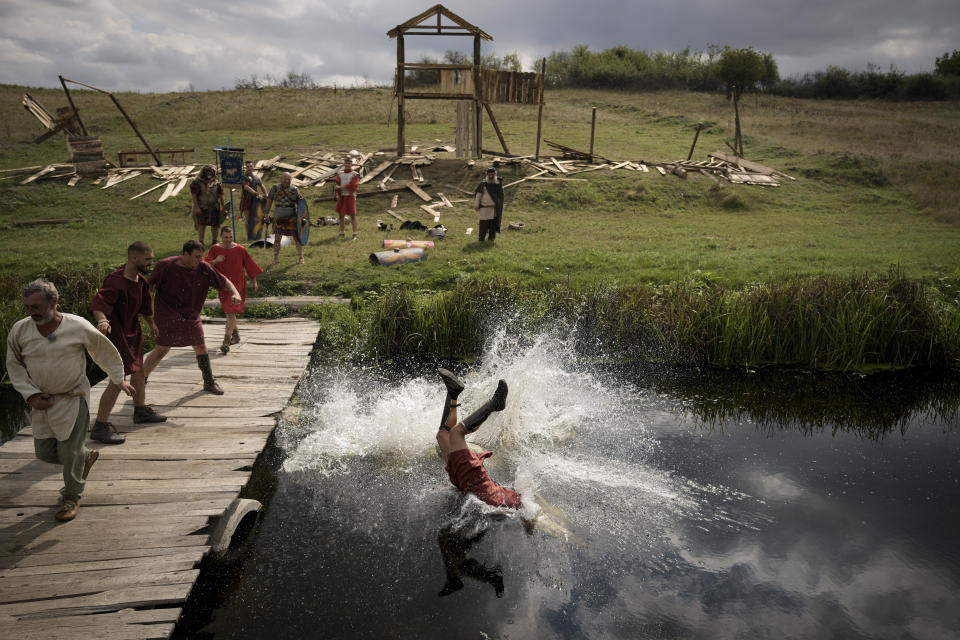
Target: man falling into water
column 464, row 467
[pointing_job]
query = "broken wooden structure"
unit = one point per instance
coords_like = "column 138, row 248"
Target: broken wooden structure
column 470, row 84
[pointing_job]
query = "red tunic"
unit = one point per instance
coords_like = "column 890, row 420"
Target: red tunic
column 123, row 302
column 347, row 184
column 235, row 262
column 466, row 472
column 180, row 293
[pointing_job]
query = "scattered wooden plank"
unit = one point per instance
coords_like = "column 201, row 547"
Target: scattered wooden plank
column 376, row 171
column 394, row 201
column 73, row 181
column 47, row 169
column 559, row 166
column 396, row 215
column 662, row 171
column 460, row 189
column 123, row 178
column 558, row 179
column 143, row 193
column 710, row 175
column 420, row 193
column 52, row 221
column 445, row 201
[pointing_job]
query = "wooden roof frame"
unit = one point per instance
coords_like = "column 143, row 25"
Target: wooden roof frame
column 460, row 28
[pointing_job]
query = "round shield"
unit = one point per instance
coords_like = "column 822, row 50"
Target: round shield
column 303, row 221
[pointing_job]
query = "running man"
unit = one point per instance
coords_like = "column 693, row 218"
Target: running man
column 464, row 467
column 236, row 265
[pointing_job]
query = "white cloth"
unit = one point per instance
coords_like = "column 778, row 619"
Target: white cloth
column 38, row 364
column 485, row 206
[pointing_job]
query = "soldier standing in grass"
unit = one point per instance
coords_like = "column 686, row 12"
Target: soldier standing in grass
column 233, row 261
column 181, row 284
column 286, row 197
column 488, row 201
column 207, row 195
column 251, row 190
column 47, row 365
column 345, row 192
column 118, row 306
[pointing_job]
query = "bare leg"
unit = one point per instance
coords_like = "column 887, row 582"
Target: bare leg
column 299, row 252
column 277, row 237
column 107, row 401
column 138, row 380
column 453, row 437
column 200, row 349
column 203, row 231
column 153, row 359
column 341, row 226
column 229, row 327
column 353, row 223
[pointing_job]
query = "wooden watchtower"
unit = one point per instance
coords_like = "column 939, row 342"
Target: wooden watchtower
column 431, row 23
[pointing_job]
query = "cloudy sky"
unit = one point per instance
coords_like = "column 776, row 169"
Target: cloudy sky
column 166, row 45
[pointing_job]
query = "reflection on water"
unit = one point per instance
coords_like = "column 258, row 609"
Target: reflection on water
column 773, row 505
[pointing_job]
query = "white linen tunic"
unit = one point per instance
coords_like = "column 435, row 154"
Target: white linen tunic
column 56, row 365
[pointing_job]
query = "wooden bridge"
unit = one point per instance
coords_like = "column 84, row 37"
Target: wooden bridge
column 125, row 566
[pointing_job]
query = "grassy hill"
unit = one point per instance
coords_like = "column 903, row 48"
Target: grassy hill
column 644, row 266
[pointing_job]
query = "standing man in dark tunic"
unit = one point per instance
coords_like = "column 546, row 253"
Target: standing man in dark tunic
column 251, row 190
column 488, row 201
column 207, row 195
column 181, row 284
column 122, row 299
column 284, row 198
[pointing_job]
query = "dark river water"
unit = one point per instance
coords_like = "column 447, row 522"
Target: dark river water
column 748, row 505
column 685, row 505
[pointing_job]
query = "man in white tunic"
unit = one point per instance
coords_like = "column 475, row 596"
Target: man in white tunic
column 46, row 364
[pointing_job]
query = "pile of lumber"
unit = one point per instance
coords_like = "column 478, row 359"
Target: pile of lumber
column 86, row 154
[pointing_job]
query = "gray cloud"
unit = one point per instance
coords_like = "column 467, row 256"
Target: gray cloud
column 139, row 45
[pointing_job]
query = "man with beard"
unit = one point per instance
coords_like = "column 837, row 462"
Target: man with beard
column 207, row 195
column 47, row 365
column 122, row 299
column 286, row 198
column 488, row 201
column 181, row 284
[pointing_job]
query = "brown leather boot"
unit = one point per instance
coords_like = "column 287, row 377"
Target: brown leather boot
column 68, row 510
column 146, row 414
column 106, row 433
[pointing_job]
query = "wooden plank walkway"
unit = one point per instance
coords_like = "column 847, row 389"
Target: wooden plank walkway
column 124, row 567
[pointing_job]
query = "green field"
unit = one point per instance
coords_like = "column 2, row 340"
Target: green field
column 854, row 265
column 876, row 185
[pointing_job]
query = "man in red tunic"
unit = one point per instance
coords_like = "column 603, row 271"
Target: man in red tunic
column 122, row 299
column 181, row 284
column 345, row 192
column 464, row 467
column 233, row 261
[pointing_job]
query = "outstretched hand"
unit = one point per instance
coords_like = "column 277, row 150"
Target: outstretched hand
column 127, row 388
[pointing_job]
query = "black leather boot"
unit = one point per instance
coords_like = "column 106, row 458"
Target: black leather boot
column 209, row 384
column 497, row 403
column 454, row 388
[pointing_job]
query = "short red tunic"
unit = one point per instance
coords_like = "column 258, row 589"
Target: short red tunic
column 347, row 185
column 235, row 262
column 123, row 302
column 180, row 293
column 466, row 472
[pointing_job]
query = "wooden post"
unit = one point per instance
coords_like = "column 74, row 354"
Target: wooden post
column 135, row 130
column 401, row 123
column 593, row 126
column 477, row 97
column 737, row 136
column 76, row 114
column 695, row 136
column 543, row 83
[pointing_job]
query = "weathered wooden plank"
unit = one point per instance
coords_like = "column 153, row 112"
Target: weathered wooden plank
column 128, row 624
column 420, row 193
column 113, row 600
column 8, row 548
column 44, row 498
column 13, row 590
column 171, row 562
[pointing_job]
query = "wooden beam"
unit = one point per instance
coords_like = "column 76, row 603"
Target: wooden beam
column 496, row 127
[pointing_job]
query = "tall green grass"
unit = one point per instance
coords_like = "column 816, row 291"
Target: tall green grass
column 840, row 323
column 830, row 322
